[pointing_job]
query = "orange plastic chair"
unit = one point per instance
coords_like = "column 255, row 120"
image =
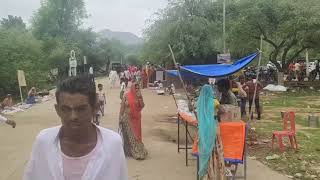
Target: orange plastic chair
column 291, row 133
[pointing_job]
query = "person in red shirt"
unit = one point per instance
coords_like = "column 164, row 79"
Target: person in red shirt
column 249, row 87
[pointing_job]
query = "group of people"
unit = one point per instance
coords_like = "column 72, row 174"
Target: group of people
column 298, row 70
column 81, row 149
column 209, row 108
column 7, row 104
column 234, row 93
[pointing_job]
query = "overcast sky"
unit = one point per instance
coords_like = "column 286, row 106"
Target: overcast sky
column 117, row 15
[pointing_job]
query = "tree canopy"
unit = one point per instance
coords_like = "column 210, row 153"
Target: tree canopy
column 194, row 29
column 288, row 27
column 186, row 26
column 56, row 29
column 13, row 22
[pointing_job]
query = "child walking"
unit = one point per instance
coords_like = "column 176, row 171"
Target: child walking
column 101, row 96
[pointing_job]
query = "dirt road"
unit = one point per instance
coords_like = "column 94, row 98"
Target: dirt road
column 159, row 136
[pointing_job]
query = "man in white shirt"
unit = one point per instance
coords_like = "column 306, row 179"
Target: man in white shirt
column 7, row 121
column 91, row 74
column 91, row 70
column 77, row 150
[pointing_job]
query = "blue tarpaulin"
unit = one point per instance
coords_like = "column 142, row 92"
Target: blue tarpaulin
column 213, row 70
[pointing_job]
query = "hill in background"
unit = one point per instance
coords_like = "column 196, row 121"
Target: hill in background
column 125, row 38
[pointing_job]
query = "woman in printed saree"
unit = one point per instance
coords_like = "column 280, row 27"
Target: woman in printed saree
column 210, row 152
column 130, row 123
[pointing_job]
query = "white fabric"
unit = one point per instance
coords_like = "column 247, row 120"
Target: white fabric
column 3, row 119
column 297, row 67
column 74, row 167
column 127, row 74
column 122, row 75
column 275, row 88
column 137, row 74
column 109, row 162
column 113, row 75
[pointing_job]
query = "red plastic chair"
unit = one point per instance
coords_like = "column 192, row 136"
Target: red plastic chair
column 291, row 133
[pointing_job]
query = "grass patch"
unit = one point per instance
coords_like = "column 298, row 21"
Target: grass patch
column 307, row 159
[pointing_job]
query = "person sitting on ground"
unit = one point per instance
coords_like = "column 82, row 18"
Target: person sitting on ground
column 32, row 96
column 7, row 121
column 7, row 102
column 77, row 149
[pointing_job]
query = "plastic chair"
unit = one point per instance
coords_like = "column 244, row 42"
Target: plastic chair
column 291, row 133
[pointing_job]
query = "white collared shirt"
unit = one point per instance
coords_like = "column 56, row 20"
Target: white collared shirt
column 108, row 162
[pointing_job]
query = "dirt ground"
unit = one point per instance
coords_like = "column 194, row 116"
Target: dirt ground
column 159, row 136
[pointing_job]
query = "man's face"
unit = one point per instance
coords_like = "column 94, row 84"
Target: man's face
column 75, row 111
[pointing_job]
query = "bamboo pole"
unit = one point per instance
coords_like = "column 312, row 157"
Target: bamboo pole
column 180, row 77
column 257, row 77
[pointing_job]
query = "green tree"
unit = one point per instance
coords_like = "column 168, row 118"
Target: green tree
column 13, row 22
column 20, row 51
column 191, row 29
column 58, row 18
column 288, row 27
column 133, row 60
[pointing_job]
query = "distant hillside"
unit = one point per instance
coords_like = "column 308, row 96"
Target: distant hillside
column 126, row 38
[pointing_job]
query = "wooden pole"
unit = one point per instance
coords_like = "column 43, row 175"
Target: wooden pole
column 180, row 77
column 21, row 94
column 224, row 27
column 257, row 76
column 307, row 63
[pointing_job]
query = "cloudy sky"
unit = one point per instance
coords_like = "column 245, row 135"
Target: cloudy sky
column 117, row 15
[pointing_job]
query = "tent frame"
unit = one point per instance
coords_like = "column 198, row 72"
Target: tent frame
column 186, row 147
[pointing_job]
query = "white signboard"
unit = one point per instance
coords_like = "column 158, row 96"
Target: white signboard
column 21, row 78
column 224, row 58
column 159, row 76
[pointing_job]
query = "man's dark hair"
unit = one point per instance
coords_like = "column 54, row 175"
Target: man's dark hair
column 100, row 85
column 224, row 83
column 79, row 84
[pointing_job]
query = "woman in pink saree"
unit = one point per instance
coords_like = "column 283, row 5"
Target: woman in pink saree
column 130, row 123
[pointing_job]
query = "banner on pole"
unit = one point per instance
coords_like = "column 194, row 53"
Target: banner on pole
column 21, row 78
column 224, row 58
